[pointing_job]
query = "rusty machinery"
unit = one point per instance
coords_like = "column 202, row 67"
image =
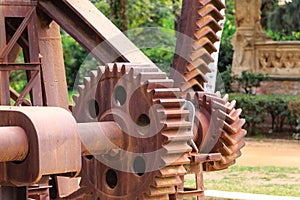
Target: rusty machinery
column 133, row 133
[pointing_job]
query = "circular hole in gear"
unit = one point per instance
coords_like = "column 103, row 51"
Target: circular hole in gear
column 120, row 95
column 143, row 123
column 139, row 166
column 90, row 157
column 111, row 178
column 93, row 108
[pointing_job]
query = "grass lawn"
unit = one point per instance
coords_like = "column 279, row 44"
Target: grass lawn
column 279, row 181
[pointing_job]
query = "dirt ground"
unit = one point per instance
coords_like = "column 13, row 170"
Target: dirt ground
column 270, row 152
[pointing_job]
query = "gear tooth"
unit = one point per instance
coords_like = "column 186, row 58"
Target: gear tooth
column 80, row 88
column 110, row 65
column 75, row 98
column 160, row 83
column 218, row 94
column 167, row 182
column 208, row 21
column 176, row 159
column 93, row 75
column 115, row 68
column 123, row 69
column 231, row 105
column 234, row 114
column 176, row 147
column 87, row 82
column 199, row 64
column 206, row 44
column 207, row 32
column 226, row 98
column 202, row 52
column 107, row 71
column 145, row 76
column 100, row 71
column 209, row 9
column 155, row 194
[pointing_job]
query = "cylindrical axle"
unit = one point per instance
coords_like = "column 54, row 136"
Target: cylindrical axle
column 13, row 144
column 97, row 138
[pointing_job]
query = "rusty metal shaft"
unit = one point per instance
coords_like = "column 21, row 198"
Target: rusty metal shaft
column 97, row 138
column 13, row 144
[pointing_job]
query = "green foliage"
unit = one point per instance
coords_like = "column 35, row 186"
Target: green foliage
column 281, row 36
column 284, row 22
column 267, row 7
column 78, row 62
column 225, row 84
column 151, row 28
column 226, row 49
column 74, row 55
column 248, row 81
column 260, row 108
column 294, row 107
column 157, row 43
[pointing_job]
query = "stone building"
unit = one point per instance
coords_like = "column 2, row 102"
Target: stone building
column 255, row 52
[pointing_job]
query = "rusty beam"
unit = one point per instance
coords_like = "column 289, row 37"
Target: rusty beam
column 53, row 69
column 97, row 34
column 20, row 66
column 17, row 34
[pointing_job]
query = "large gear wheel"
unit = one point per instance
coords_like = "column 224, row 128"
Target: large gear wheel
column 198, row 26
column 146, row 106
column 219, row 129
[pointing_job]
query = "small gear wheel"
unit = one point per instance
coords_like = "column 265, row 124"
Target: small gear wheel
column 155, row 135
column 218, row 128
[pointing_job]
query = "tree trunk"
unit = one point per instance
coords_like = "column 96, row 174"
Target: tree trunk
column 123, row 16
column 176, row 12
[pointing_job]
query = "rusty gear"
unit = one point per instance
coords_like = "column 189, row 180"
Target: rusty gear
column 198, row 26
column 219, row 128
column 139, row 98
column 232, row 138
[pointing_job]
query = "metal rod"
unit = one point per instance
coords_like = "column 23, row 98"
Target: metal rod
column 99, row 138
column 13, row 144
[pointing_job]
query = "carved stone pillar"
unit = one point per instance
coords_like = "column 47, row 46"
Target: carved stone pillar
column 248, row 31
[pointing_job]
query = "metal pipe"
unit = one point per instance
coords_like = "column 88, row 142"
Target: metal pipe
column 13, row 144
column 99, row 138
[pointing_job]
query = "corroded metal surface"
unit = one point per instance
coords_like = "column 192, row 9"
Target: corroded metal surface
column 133, row 133
column 50, row 133
column 99, row 138
column 219, row 129
column 20, row 31
column 97, row 34
column 215, row 117
column 145, row 105
column 14, row 144
column 52, row 63
column 195, row 42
